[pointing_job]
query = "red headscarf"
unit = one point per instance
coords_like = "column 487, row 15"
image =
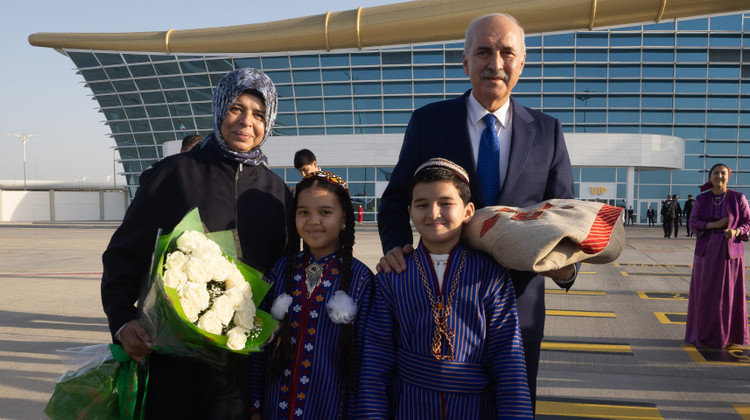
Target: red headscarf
column 708, row 185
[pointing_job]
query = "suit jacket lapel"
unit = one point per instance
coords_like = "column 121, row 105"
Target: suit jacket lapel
column 464, row 150
column 521, row 142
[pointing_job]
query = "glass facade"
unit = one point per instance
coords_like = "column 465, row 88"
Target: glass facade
column 687, row 78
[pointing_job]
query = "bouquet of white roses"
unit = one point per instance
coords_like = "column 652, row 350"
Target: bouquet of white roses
column 201, row 298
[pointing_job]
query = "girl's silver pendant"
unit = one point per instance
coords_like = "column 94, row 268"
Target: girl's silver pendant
column 313, row 274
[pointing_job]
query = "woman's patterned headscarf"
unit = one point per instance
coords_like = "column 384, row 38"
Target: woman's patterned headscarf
column 231, row 86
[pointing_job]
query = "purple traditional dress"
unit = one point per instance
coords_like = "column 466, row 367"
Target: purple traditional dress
column 450, row 351
column 717, row 313
column 311, row 386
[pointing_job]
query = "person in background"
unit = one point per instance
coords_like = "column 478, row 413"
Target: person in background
column 630, row 216
column 475, row 131
column 667, row 216
column 677, row 218
column 228, row 179
column 651, row 215
column 305, row 162
column 442, row 338
column 687, row 210
column 360, row 214
column 189, row 141
column 717, row 306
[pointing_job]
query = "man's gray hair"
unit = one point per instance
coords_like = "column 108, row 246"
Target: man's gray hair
column 470, row 30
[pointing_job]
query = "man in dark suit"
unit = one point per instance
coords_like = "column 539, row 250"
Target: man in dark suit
column 677, row 216
column 651, row 214
column 667, row 214
column 534, row 162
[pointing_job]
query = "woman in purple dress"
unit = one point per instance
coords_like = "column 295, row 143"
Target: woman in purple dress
column 717, row 313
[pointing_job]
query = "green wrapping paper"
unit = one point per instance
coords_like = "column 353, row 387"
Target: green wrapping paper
column 104, row 387
column 162, row 316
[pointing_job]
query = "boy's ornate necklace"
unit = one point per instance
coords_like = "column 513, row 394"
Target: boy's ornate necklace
column 441, row 311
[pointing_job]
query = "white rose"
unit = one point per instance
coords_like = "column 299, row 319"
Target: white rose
column 176, row 261
column 174, row 278
column 236, row 338
column 208, row 249
column 223, row 308
column 209, row 322
column 236, row 279
column 190, row 240
column 191, row 311
column 236, row 297
column 195, row 293
column 245, row 315
column 197, row 272
column 219, row 268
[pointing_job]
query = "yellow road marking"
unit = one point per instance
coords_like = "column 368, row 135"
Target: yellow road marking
column 651, row 265
column 575, row 292
column 644, row 273
column 742, row 410
column 587, row 347
column 664, row 319
column 697, row 357
column 589, row 314
column 599, row 411
column 674, row 295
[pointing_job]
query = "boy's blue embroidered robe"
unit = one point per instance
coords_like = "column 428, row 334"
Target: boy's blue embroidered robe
column 400, row 378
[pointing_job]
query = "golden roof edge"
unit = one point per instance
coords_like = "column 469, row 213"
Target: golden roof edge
column 393, row 24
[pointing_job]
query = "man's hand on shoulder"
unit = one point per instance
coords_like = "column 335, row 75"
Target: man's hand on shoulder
column 394, row 260
column 561, row 274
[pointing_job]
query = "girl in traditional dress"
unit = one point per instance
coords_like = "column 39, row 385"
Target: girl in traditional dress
column 320, row 295
column 720, row 219
column 442, row 338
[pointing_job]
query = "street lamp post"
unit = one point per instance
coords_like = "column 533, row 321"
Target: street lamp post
column 24, row 138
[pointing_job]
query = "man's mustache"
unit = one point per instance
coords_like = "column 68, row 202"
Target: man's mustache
column 499, row 74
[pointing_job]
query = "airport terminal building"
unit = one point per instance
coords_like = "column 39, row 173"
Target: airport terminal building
column 646, row 109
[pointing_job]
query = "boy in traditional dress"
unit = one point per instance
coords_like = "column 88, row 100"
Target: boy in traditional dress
column 442, row 339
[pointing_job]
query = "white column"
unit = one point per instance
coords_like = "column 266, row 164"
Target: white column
column 630, row 188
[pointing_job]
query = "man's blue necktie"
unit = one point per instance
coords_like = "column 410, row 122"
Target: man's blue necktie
column 488, row 162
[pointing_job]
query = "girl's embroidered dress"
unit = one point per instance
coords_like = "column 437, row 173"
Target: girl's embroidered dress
column 311, row 387
column 402, row 376
column 717, row 312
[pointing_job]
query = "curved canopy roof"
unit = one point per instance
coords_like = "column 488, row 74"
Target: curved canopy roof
column 394, row 24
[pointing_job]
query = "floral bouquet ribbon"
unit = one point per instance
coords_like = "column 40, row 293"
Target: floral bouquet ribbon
column 201, row 300
column 548, row 235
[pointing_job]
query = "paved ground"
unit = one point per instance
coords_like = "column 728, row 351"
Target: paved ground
column 613, row 346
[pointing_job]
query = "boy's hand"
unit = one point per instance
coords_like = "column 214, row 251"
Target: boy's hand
column 394, row 260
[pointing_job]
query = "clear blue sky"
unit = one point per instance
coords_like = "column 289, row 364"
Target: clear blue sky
column 41, row 94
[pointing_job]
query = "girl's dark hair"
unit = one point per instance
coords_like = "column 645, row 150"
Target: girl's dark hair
column 439, row 173
column 347, row 338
